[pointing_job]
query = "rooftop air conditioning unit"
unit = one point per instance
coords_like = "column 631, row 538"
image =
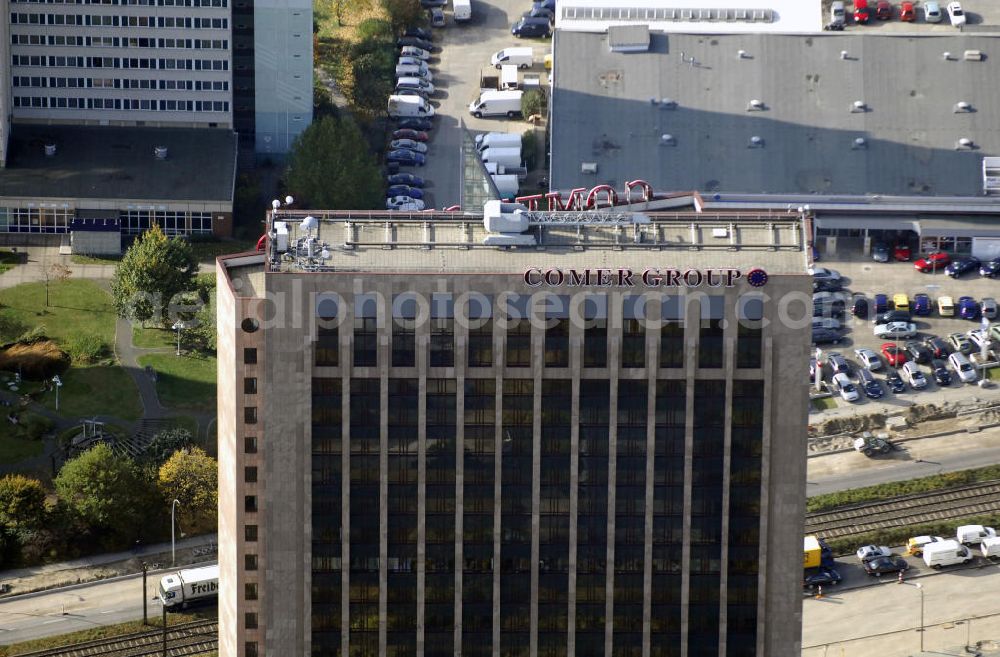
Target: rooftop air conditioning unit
column 859, row 143
column 667, row 140
column 588, row 167
column 50, row 150
column 859, row 106
column 756, row 142
column 964, row 144
column 973, row 56
column 962, row 107
column 755, row 105
column 160, row 152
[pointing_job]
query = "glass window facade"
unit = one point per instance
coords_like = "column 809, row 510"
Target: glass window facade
column 477, row 521
column 439, row 605
column 401, row 612
column 363, row 592
column 515, row 516
column 592, row 517
column 553, row 531
column 327, row 478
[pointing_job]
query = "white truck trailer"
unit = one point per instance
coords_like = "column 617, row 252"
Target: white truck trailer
column 186, row 587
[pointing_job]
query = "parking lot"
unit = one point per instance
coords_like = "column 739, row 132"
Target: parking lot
column 978, row 12
column 861, row 274
column 463, row 49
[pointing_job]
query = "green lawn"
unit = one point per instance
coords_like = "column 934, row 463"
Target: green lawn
column 97, row 390
column 14, row 449
column 153, row 338
column 184, row 382
column 824, row 403
column 75, row 307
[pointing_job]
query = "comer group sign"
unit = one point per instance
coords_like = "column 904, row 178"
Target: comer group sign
column 624, row 277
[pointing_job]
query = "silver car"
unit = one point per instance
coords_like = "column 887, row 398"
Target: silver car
column 932, row 12
column 868, row 358
column 896, row 330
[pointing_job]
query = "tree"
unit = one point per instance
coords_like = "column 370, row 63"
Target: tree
column 106, row 492
column 532, row 102
column 191, row 477
column 152, row 272
column 22, row 502
column 331, row 167
column 403, row 13
column 164, row 444
column 340, row 5
column 373, row 74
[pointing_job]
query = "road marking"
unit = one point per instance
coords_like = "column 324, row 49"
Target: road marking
column 110, row 611
column 55, row 620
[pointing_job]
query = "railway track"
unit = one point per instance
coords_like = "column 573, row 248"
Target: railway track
column 906, row 510
column 194, row 638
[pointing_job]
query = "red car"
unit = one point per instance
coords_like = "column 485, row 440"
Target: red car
column 932, row 262
column 894, row 355
column 406, row 133
column 902, row 253
column 907, row 12
column 883, row 10
column 861, row 12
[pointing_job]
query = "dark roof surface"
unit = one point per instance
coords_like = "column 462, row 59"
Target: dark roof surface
column 118, row 163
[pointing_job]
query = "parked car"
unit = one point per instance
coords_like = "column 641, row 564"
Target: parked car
column 907, row 13
column 960, row 343
column 427, row 4
column 990, row 269
column 922, row 305
column 423, row 43
column 843, row 385
column 409, row 91
column 436, row 16
column 893, row 316
column 408, row 144
column 902, row 252
column 836, row 298
column 894, row 381
column 403, row 203
column 939, row 348
column 838, row 364
column 826, row 336
column 955, row 14
column 980, row 338
column 880, row 252
column 413, row 51
column 939, row 370
column 881, row 303
column 918, row 352
column 915, row 545
column 963, row 367
column 415, row 123
column 901, row 302
column 988, row 307
column 837, row 16
column 827, row 310
column 894, row 354
column 418, row 32
column 415, row 83
column 946, row 306
column 548, row 4
column 406, row 157
column 932, row 12
column 540, row 12
column 868, row 383
column 933, row 261
column 968, row 308
column 404, row 190
column 531, row 27
column 883, row 10
column 896, row 330
column 828, row 285
column 826, row 323
column 882, row 565
column 405, row 179
column 861, row 12
column 822, row 576
column 407, row 60
column 407, row 133
column 866, row 552
column 819, row 273
column 913, row 375
column 868, row 358
column 962, row 266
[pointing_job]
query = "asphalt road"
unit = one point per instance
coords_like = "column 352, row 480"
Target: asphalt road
column 75, row 608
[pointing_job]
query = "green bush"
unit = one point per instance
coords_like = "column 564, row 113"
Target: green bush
column 532, row 102
column 529, row 149
column 403, row 13
column 375, row 29
column 87, row 348
column 898, row 535
column 33, row 335
column 30, row 426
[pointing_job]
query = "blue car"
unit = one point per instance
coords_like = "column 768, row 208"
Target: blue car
column 894, row 381
column 990, row 269
column 922, row 305
column 968, row 308
column 881, row 303
column 406, row 157
column 404, row 190
column 405, row 179
column 962, row 266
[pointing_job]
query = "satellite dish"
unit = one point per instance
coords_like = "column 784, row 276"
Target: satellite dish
column 309, row 223
column 275, row 204
column 289, row 200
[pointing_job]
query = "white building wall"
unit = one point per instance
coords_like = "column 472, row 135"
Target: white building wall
column 283, row 72
column 161, row 63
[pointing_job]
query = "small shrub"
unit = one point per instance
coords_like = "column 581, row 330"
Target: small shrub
column 87, row 348
column 532, row 102
column 32, row 335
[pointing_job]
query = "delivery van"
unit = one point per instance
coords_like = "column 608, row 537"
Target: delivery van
column 510, row 157
column 406, row 106
column 462, row 10
column 990, row 546
column 507, row 185
column 946, row 553
column 522, row 57
column 500, row 139
column 497, row 103
column 974, row 534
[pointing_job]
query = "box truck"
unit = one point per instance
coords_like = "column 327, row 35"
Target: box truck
column 500, row 139
column 496, row 103
column 522, row 57
column 409, row 106
column 816, row 553
column 507, row 185
column 495, row 169
column 462, row 10
column 510, row 157
column 186, row 587
column 946, row 553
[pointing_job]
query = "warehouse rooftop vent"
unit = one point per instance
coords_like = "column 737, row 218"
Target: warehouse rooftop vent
column 859, row 143
column 859, row 106
column 756, row 142
column 965, row 144
column 667, row 140
column 756, row 105
column 973, row 56
column 962, row 107
column 160, row 152
column 628, row 38
column 588, row 167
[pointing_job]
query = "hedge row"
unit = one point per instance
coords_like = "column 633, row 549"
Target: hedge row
column 898, row 535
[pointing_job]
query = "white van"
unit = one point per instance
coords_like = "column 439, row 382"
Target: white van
column 990, row 546
column 911, row 374
column 946, row 553
column 522, row 57
column 462, row 10
column 960, row 363
column 508, row 77
column 508, row 157
column 497, row 103
column 499, row 139
column 405, row 106
column 974, row 534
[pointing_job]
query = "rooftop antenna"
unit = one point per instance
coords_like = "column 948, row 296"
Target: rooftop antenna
column 309, row 224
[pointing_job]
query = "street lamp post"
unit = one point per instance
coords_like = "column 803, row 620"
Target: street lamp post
column 920, row 588
column 178, row 325
column 58, row 383
column 173, row 543
column 145, row 617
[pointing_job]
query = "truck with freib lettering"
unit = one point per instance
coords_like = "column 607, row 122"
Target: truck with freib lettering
column 191, row 586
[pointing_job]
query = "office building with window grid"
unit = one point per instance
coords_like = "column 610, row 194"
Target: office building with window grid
column 581, row 437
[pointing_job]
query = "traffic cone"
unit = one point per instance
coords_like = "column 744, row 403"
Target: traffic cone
column 819, row 591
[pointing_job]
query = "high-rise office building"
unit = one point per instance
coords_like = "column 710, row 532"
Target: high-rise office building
column 526, row 434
